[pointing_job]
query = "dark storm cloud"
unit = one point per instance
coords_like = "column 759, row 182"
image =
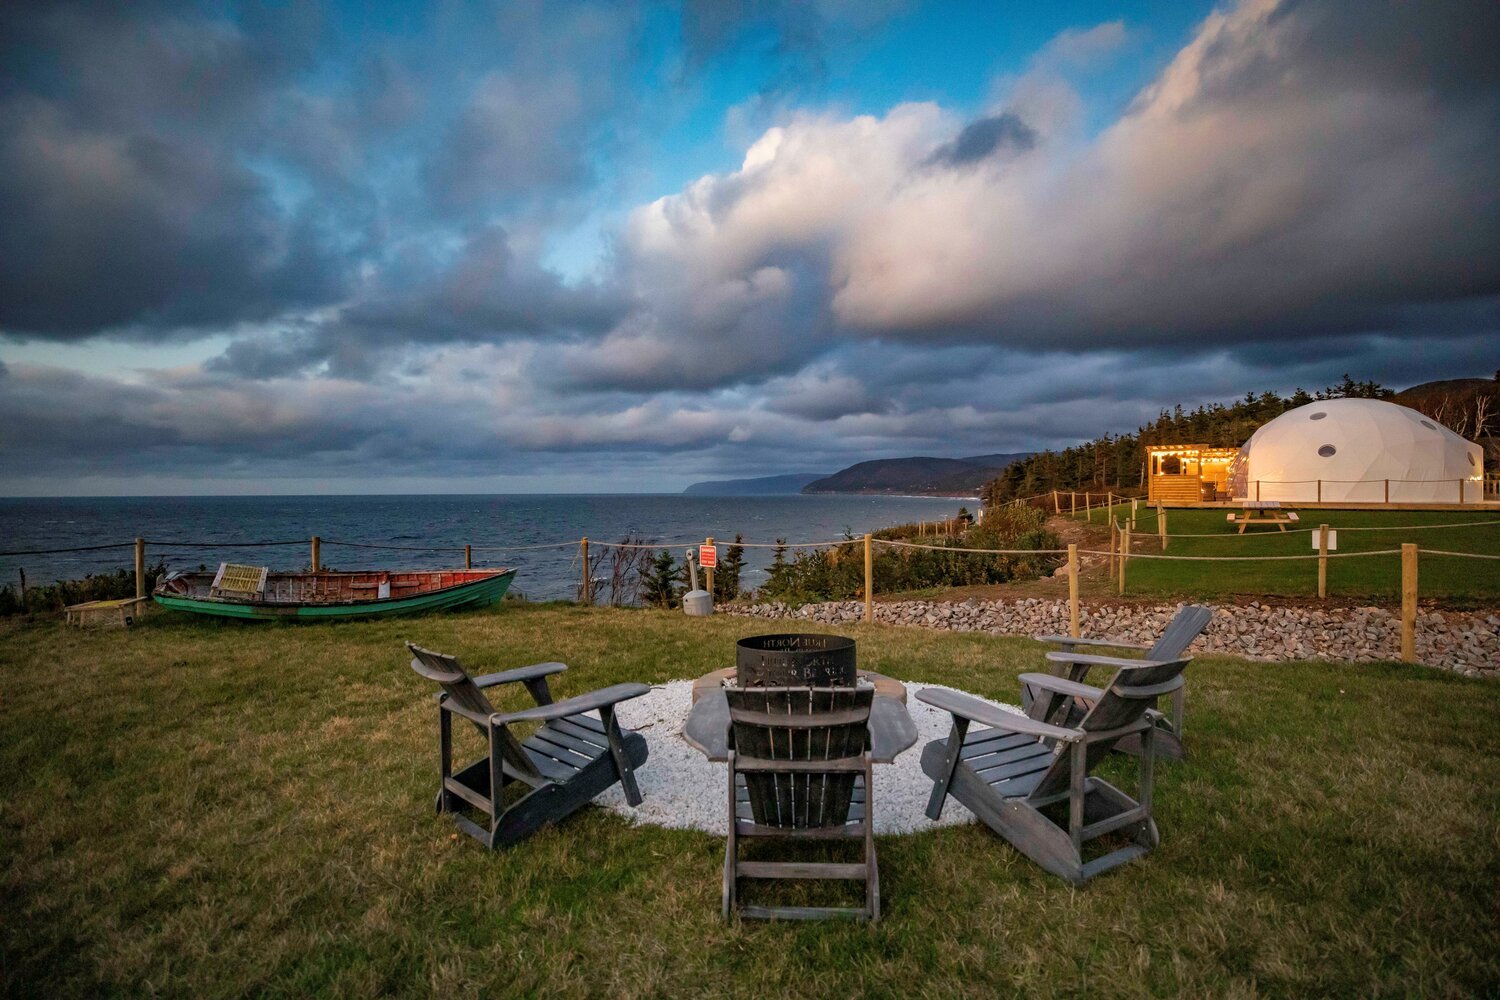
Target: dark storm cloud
column 484, row 293
column 533, row 126
column 983, row 137
column 1306, row 189
column 125, row 203
column 1275, row 182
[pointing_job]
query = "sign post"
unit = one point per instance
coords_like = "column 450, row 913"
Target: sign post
column 708, row 558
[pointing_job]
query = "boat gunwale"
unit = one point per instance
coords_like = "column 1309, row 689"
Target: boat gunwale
column 492, row 575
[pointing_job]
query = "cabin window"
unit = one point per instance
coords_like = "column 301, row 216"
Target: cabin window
column 1171, row 466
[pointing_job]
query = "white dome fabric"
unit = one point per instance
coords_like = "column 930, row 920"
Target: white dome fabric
column 1351, row 447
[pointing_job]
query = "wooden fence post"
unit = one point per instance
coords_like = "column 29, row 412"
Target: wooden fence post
column 1322, row 560
column 1124, row 556
column 1320, row 491
column 316, row 555
column 1257, row 489
column 869, row 581
column 1161, row 525
column 1056, row 503
column 468, row 557
column 588, row 584
column 1072, row 503
column 1132, row 513
column 1409, row 602
column 1461, row 487
column 708, row 574
column 1387, row 491
column 1113, row 534
column 1073, row 589
column 140, row 567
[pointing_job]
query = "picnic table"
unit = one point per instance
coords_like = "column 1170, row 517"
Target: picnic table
column 891, row 727
column 1262, row 514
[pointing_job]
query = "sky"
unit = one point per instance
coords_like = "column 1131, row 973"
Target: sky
column 579, row 247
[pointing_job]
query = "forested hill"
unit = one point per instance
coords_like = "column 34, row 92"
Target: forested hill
column 922, row 475
column 1120, row 461
column 791, row 483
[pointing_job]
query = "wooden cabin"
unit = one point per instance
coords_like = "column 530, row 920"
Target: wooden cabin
column 1188, row 473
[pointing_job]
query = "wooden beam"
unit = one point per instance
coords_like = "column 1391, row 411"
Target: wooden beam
column 316, row 555
column 869, row 581
column 1073, row 589
column 587, row 589
column 140, row 568
column 1322, row 561
column 1409, row 602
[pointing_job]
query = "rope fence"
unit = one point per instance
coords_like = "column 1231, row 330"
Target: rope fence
column 1119, row 556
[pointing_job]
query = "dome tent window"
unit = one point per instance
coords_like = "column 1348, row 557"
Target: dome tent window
column 1316, row 416
column 1328, row 451
column 1429, row 423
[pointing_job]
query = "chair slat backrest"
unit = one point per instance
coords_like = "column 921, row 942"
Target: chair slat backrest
column 1185, row 626
column 800, row 724
column 1130, row 693
column 462, row 691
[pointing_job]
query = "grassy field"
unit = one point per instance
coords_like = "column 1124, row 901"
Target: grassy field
column 204, row 809
column 1450, row 579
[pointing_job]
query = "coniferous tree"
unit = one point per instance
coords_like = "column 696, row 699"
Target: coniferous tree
column 659, row 587
column 727, row 575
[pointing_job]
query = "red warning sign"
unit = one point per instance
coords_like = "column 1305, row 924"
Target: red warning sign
column 708, row 556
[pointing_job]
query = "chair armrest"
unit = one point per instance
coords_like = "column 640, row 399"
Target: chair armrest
column 1073, row 640
column 447, row 704
column 603, row 698
column 967, row 707
column 1088, row 659
column 516, row 674
column 1062, row 685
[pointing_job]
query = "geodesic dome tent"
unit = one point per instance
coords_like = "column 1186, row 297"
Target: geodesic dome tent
column 1361, row 451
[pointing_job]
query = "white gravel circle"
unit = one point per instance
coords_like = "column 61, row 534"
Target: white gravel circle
column 685, row 790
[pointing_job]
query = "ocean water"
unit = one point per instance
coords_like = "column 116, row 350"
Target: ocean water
column 529, row 519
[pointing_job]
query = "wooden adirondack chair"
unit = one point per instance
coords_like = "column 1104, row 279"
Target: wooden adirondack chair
column 1068, row 710
column 799, row 767
column 570, row 759
column 1011, row 773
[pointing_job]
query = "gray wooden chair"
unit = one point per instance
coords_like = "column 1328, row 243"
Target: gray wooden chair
column 1011, row 773
column 799, row 768
column 570, row 759
column 1068, row 710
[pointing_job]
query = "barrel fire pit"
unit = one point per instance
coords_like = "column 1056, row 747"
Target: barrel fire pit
column 799, row 659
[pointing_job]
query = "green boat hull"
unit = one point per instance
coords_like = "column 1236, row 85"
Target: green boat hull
column 467, row 595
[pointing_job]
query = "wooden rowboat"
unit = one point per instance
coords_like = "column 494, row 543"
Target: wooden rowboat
column 323, row 596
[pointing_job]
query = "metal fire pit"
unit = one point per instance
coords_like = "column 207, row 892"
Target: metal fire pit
column 799, row 659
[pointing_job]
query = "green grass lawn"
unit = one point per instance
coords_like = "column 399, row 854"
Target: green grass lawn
column 1451, row 579
column 204, row 809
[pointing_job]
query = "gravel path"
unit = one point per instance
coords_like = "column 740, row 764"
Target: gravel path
column 685, row 790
